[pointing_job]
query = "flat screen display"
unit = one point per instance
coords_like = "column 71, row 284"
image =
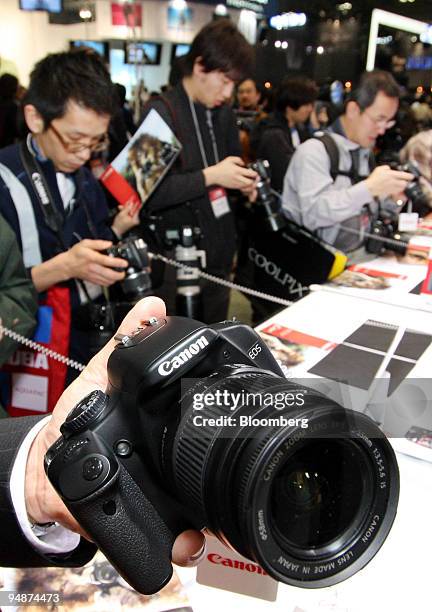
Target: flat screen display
column 97, row 45
column 181, row 49
column 147, row 53
column 178, row 50
column 51, row 6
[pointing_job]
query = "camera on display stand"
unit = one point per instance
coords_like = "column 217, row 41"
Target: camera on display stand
column 268, row 200
column 385, row 235
column 188, row 297
column 283, row 475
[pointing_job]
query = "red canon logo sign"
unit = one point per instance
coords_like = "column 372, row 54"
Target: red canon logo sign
column 235, row 564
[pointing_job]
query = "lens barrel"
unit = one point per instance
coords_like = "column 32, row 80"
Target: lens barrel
column 312, row 505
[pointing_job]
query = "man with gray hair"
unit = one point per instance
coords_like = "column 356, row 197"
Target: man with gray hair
column 331, row 186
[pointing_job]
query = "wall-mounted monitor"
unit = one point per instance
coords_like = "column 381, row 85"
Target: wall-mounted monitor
column 140, row 52
column 97, row 45
column 180, row 49
column 51, row 6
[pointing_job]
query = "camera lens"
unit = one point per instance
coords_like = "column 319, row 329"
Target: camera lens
column 316, row 496
column 308, row 491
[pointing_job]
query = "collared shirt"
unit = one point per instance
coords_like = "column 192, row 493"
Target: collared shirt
column 311, row 198
column 57, row 540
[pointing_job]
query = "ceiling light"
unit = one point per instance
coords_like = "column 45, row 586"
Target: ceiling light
column 221, row 10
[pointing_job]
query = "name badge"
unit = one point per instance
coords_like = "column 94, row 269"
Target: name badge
column 219, row 201
column 408, row 222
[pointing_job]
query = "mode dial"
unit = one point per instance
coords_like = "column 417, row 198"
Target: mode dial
column 86, row 411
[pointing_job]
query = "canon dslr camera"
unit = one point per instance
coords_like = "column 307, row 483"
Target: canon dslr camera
column 136, row 283
column 144, row 461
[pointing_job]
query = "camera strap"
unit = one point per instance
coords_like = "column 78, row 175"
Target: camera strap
column 53, row 218
column 198, row 133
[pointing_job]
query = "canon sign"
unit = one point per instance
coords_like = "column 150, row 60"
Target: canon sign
column 168, row 367
column 236, row 564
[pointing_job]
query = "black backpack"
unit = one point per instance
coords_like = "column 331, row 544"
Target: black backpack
column 333, row 153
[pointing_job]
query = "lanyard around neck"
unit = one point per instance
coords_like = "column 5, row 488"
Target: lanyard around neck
column 199, row 134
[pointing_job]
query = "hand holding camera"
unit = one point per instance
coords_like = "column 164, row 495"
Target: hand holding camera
column 384, row 181
column 43, row 503
column 85, row 260
column 285, row 476
column 231, row 173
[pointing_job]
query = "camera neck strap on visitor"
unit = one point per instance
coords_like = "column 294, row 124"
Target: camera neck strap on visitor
column 209, row 120
column 52, row 216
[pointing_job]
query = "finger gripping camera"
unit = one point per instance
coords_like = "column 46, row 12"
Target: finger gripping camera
column 145, row 460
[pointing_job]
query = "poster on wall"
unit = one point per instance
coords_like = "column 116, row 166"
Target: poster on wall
column 179, row 18
column 125, row 14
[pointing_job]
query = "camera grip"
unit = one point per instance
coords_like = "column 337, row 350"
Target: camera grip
column 129, row 531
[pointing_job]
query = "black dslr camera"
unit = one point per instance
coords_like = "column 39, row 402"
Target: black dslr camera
column 384, row 236
column 268, row 200
column 413, row 190
column 145, row 460
column 136, row 283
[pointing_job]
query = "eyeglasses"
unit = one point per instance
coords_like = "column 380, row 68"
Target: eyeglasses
column 99, row 144
column 381, row 123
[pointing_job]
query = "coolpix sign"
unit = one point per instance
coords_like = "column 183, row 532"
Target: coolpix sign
column 225, row 569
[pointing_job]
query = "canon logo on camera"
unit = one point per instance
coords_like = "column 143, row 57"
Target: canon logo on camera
column 236, row 564
column 168, row 367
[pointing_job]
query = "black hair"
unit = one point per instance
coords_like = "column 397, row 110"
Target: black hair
column 220, row 46
column 121, row 93
column 372, row 83
column 8, row 86
column 78, row 75
column 294, row 92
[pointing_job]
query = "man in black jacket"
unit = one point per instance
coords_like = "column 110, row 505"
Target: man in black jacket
column 36, row 529
column 277, row 136
column 194, row 190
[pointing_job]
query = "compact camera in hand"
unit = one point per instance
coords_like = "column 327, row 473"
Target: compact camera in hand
column 145, row 460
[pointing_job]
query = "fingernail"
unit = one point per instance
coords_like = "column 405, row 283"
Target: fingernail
column 197, row 557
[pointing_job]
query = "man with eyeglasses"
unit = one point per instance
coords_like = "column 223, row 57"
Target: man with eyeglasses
column 340, row 205
column 52, row 202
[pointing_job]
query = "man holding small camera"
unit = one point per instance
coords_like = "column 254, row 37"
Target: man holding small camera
column 52, row 202
column 340, row 204
column 195, row 191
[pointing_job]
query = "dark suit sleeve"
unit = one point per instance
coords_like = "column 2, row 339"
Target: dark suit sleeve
column 15, row 550
column 275, row 146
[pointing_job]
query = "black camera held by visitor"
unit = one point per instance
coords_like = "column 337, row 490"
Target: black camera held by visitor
column 283, row 475
column 245, row 119
column 100, row 319
column 384, row 235
column 414, row 191
column 136, row 283
column 268, row 200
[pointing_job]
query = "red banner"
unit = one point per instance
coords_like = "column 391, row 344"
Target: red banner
column 126, row 14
